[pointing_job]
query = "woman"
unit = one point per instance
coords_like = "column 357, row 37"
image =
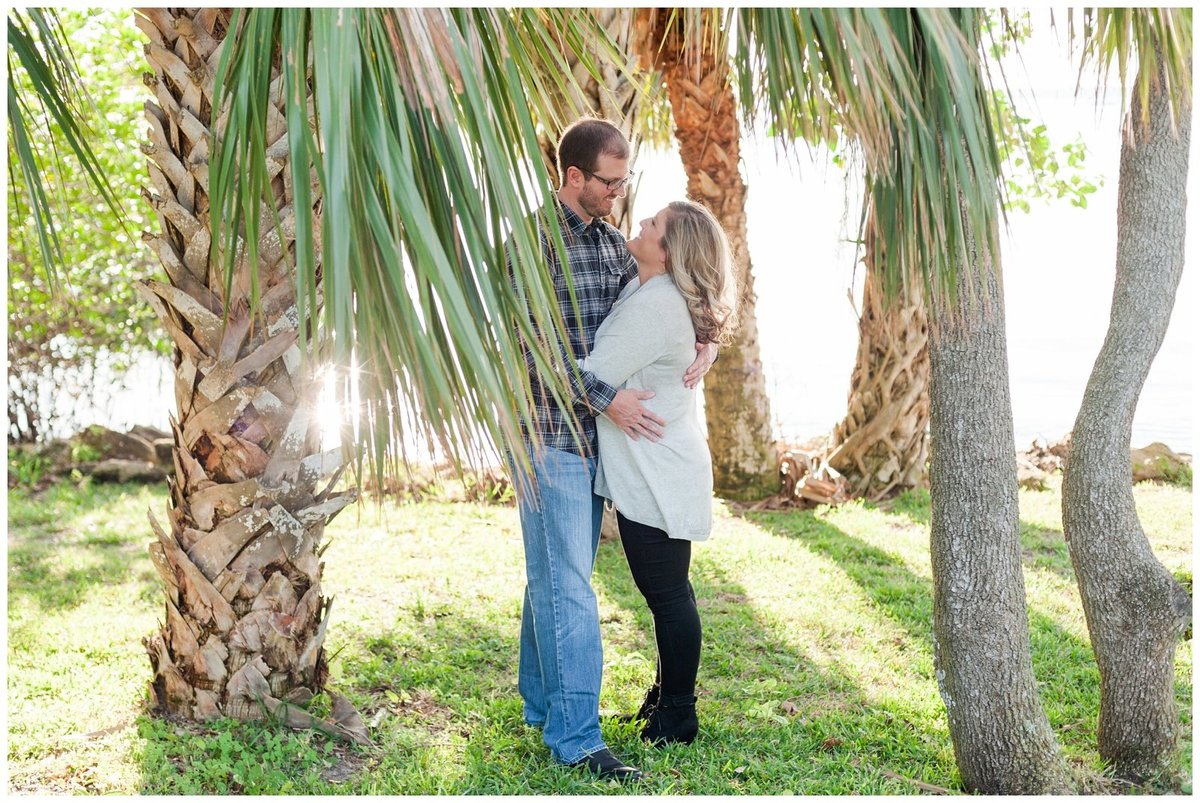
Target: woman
column 663, row 490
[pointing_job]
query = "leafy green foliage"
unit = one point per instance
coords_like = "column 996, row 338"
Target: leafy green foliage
column 42, row 68
column 1034, row 168
column 58, row 333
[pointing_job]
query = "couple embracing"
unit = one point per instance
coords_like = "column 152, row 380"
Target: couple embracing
column 643, row 329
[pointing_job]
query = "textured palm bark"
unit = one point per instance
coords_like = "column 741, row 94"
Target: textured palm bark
column 614, row 98
column 245, row 618
column 736, row 405
column 1002, row 738
column 882, row 445
column 1135, row 609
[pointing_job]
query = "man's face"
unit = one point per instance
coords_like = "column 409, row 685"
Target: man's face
column 596, row 198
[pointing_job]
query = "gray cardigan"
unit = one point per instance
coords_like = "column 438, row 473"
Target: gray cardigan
column 646, row 343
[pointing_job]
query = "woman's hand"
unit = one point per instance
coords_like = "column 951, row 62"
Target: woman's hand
column 706, row 355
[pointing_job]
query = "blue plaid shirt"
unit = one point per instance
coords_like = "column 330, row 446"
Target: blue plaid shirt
column 600, row 265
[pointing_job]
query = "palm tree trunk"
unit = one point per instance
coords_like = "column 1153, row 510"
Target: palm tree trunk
column 1002, row 738
column 882, row 445
column 736, row 406
column 614, row 99
column 245, row 618
column 1135, row 609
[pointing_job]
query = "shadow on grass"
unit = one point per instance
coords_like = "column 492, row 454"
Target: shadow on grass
column 772, row 719
column 1062, row 661
column 1041, row 547
column 56, row 562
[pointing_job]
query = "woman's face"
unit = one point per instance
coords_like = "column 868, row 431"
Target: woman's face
column 647, row 246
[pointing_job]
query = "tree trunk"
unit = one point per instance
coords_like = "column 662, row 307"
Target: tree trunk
column 245, row 619
column 1135, row 609
column 616, row 100
column 1002, row 738
column 882, row 445
column 736, row 406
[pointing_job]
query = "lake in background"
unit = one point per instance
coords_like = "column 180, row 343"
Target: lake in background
column 1058, row 264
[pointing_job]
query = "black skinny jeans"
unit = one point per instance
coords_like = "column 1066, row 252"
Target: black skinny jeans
column 660, row 570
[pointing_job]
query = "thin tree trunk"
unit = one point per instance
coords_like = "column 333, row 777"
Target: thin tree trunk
column 882, row 445
column 245, row 618
column 736, row 405
column 1135, row 609
column 1002, row 738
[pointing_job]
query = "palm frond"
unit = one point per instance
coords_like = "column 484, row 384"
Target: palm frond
column 38, row 52
column 1160, row 38
column 907, row 88
column 420, row 144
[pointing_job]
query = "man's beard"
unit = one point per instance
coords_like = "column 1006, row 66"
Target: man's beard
column 596, row 205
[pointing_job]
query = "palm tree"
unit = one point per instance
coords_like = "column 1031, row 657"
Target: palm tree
column 1136, row 610
column 882, row 444
column 689, row 51
column 265, row 167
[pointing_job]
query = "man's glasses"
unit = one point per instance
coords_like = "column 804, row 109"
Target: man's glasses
column 611, row 183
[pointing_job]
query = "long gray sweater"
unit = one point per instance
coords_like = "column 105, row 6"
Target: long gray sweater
column 646, row 343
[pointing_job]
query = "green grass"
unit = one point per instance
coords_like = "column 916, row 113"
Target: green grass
column 816, row 674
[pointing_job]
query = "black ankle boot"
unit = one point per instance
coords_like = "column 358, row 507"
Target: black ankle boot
column 648, row 705
column 670, row 723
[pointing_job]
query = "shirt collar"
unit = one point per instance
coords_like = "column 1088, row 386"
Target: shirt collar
column 574, row 225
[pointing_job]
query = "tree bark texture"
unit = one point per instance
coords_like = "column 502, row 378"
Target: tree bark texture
column 1002, row 738
column 736, row 405
column 882, row 445
column 245, row 619
column 615, row 99
column 1135, row 609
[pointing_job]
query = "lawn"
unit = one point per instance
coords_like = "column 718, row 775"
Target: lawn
column 816, row 675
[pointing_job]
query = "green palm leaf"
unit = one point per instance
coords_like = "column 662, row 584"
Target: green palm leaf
column 40, row 60
column 424, row 148
column 1161, row 38
column 895, row 81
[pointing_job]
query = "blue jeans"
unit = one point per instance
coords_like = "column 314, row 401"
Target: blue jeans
column 561, row 659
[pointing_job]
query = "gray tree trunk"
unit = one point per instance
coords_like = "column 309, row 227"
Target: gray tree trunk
column 1135, row 610
column 1002, row 738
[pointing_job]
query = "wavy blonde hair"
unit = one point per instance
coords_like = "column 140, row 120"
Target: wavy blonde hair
column 699, row 261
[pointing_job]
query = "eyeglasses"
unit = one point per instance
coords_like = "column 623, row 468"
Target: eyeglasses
column 612, row 183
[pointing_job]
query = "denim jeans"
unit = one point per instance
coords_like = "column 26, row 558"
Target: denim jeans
column 561, row 659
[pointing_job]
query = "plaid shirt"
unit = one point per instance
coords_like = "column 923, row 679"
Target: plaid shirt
column 600, row 265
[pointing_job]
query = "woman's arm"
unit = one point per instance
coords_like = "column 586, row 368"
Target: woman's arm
column 636, row 338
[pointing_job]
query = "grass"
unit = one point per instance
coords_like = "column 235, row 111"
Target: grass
column 816, row 674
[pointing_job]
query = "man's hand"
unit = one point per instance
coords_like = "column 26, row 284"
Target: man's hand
column 706, row 355
column 627, row 412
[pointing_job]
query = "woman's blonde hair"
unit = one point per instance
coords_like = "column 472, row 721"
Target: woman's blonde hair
column 699, row 261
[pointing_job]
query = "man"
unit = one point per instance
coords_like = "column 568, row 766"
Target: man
column 561, row 660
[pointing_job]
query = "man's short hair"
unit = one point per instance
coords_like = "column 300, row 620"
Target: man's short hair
column 584, row 140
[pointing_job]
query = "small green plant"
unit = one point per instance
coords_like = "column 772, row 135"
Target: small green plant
column 1179, row 474
column 84, row 453
column 27, row 468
